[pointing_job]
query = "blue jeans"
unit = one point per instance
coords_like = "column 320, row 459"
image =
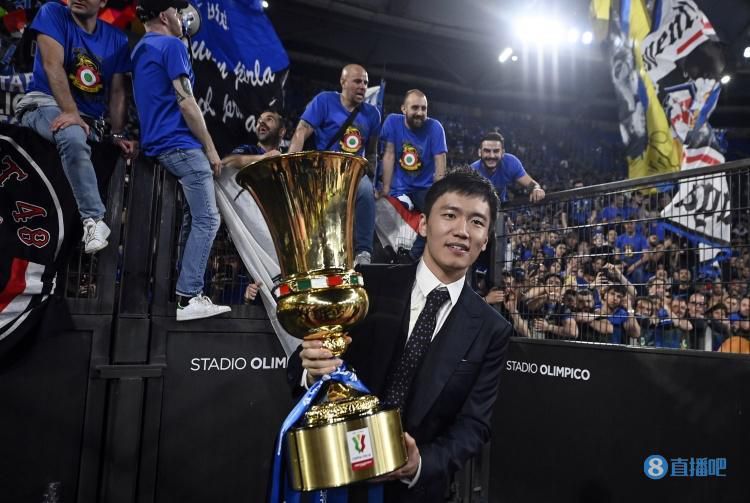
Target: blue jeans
column 364, row 216
column 194, row 173
column 75, row 155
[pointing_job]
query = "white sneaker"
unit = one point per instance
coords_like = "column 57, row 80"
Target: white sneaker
column 95, row 235
column 362, row 258
column 199, row 307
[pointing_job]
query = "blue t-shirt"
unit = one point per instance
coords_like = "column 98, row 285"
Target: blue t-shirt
column 89, row 61
column 618, row 319
column 579, row 211
column 415, row 151
column 508, row 171
column 247, row 149
column 612, row 213
column 629, row 247
column 157, row 61
column 326, row 114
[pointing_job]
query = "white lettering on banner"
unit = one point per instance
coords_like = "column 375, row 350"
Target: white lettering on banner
column 200, row 51
column 231, row 110
column 237, row 363
column 216, row 14
column 250, row 124
column 683, row 27
column 16, row 83
column 205, row 104
column 548, row 370
column 252, row 77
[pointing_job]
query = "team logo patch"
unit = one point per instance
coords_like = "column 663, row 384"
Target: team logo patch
column 86, row 75
column 359, row 445
column 351, row 142
column 410, row 160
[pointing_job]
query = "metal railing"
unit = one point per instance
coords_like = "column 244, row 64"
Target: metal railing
column 662, row 261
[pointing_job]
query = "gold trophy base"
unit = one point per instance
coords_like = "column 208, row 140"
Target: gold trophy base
column 347, row 451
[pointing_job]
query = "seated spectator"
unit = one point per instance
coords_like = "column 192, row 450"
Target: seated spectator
column 719, row 325
column 645, row 314
column 740, row 320
column 579, row 212
column 624, row 324
column 631, row 246
column 673, row 326
column 79, row 75
column 592, row 326
column 269, row 130
column 696, row 313
column 617, row 211
column 551, row 318
column 684, row 287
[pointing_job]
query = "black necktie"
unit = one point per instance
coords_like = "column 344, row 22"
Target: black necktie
column 416, row 347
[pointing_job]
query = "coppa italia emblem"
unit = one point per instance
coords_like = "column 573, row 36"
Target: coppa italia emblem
column 86, row 75
column 351, row 142
column 360, row 449
column 410, row 158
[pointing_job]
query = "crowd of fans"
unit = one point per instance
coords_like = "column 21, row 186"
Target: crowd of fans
column 608, row 269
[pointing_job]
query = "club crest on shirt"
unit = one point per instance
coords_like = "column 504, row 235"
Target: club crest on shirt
column 410, row 160
column 86, row 75
column 351, row 142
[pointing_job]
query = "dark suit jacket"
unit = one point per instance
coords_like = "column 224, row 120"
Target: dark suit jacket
column 450, row 403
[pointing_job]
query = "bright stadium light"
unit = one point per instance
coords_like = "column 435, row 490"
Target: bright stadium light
column 587, row 37
column 747, row 52
column 539, row 30
column 573, row 35
column 507, row 52
column 514, row 58
column 264, row 4
column 725, row 79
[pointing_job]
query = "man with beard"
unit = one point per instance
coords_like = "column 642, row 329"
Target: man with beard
column 326, row 115
column 591, row 326
column 79, row 74
column 502, row 168
column 270, row 130
column 419, row 143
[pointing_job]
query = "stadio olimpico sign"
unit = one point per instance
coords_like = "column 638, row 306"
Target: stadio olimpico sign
column 237, row 363
column 549, row 370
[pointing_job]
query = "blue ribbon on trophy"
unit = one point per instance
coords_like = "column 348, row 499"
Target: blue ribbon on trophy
column 338, row 495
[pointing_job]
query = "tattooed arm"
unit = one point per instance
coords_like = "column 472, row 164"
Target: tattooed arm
column 302, row 133
column 194, row 118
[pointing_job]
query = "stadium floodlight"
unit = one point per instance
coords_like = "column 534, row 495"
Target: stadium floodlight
column 725, row 79
column 507, row 52
column 514, row 58
column 747, row 52
column 587, row 37
column 264, row 4
column 539, row 30
column 573, row 35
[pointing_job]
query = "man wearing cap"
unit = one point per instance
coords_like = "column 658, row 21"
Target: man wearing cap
column 174, row 133
column 79, row 73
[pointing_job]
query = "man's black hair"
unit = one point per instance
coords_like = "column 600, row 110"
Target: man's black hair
column 492, row 136
column 466, row 182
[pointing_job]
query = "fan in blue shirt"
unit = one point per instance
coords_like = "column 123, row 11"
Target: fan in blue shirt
column 502, row 168
column 269, row 130
column 325, row 115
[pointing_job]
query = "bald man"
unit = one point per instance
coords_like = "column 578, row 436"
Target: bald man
column 324, row 116
column 419, row 143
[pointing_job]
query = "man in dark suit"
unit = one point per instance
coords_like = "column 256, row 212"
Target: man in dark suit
column 429, row 344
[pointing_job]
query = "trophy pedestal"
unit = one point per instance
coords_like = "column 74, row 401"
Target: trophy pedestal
column 347, row 451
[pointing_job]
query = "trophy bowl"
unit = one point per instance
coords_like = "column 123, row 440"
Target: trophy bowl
column 307, row 199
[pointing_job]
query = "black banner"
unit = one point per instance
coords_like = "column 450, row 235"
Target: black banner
column 39, row 224
column 240, row 69
column 590, row 423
